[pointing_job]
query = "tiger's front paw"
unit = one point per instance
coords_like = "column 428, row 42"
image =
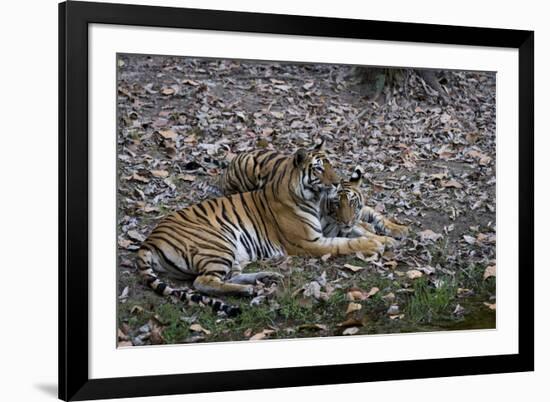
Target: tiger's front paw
column 372, row 247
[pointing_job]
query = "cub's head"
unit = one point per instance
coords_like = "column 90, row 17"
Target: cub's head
column 317, row 173
column 350, row 201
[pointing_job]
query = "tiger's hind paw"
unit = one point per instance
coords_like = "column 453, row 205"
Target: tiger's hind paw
column 269, row 277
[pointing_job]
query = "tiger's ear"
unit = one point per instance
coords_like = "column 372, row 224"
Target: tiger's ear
column 320, row 146
column 356, row 177
column 300, row 157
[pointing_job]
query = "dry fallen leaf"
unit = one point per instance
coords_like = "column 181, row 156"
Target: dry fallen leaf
column 160, row 173
column 414, row 274
column 140, row 178
column 136, row 309
column 438, row 176
column 135, row 235
column 372, row 292
column 124, row 243
column 312, row 289
column 472, row 137
column 429, row 235
column 168, row 134
column 168, row 91
column 459, row 310
column 451, row 183
column 352, row 307
column 124, row 294
column 261, row 335
column 389, row 297
column 199, row 328
column 350, row 331
column 278, row 115
column 187, row 177
column 350, row 322
column 121, row 335
column 122, row 344
column 491, row 270
column 491, row 306
column 316, row 327
column 156, row 334
column 160, row 122
column 190, row 82
column 353, row 295
column 480, row 156
column 362, row 257
column 391, row 264
column 393, row 309
column 353, row 268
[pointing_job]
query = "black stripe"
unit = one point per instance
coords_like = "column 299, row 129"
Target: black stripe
column 160, row 288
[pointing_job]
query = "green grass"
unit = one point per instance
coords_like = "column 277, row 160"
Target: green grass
column 176, row 329
column 471, row 276
column 291, row 315
column 428, row 302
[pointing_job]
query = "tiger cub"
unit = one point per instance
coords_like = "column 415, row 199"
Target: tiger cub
column 211, row 241
column 346, row 215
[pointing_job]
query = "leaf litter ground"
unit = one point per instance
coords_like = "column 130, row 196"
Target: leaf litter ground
column 430, row 164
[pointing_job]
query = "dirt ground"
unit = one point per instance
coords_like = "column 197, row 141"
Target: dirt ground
column 429, row 160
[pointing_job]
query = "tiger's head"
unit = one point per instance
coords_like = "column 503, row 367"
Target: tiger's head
column 317, row 173
column 350, row 201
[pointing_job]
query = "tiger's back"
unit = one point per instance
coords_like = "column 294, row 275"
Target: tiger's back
column 250, row 171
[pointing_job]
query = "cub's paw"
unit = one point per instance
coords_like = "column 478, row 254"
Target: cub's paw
column 397, row 231
column 388, row 242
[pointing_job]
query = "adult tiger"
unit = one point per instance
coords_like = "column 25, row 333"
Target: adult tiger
column 212, row 240
column 346, row 215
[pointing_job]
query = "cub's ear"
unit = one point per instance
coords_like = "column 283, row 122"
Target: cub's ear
column 300, row 157
column 320, row 146
column 357, row 176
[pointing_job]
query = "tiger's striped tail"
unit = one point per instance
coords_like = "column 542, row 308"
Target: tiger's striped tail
column 186, row 295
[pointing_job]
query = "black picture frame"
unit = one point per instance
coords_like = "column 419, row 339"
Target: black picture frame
column 74, row 18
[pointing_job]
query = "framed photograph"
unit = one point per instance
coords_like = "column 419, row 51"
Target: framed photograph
column 258, row 200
